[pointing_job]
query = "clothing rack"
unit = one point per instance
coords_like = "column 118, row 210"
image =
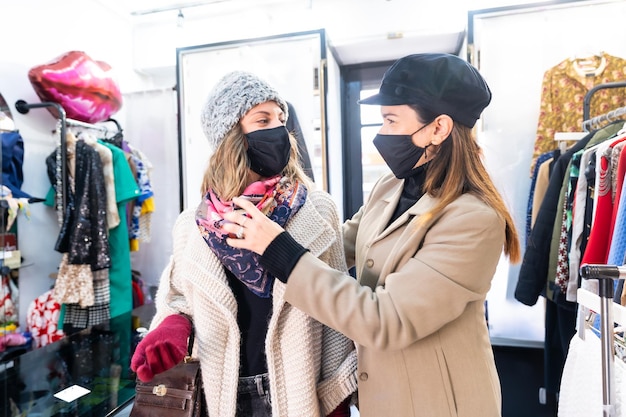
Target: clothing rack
column 23, row 107
column 78, row 123
column 610, row 313
column 598, row 121
column 589, row 123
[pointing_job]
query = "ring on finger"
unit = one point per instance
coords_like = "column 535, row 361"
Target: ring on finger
column 239, row 233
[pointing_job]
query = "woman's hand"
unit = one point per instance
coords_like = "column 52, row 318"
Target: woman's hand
column 255, row 232
column 162, row 348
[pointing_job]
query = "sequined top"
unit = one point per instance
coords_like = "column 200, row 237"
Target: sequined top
column 83, row 233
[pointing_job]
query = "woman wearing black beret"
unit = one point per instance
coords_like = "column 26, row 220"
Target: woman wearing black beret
column 425, row 246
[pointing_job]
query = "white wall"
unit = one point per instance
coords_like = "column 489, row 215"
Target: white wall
column 142, row 54
column 36, row 32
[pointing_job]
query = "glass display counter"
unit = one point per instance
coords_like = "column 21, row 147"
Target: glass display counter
column 84, row 374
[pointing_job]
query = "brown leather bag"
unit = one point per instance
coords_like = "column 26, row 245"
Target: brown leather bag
column 176, row 392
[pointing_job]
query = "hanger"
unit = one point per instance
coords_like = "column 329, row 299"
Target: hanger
column 589, row 62
column 119, row 127
column 622, row 131
column 6, row 120
column 118, row 137
column 604, row 119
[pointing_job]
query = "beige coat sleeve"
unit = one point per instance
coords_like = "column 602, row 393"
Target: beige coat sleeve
column 339, row 362
column 453, row 267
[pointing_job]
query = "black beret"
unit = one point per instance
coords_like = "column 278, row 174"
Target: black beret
column 442, row 83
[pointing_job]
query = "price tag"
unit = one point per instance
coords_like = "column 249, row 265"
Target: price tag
column 72, row 393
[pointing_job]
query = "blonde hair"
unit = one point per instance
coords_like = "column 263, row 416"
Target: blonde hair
column 228, row 171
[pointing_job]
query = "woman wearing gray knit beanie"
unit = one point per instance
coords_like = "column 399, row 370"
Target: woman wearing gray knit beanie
column 425, row 248
column 259, row 356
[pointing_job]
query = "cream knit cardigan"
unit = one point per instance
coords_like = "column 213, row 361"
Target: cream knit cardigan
column 311, row 367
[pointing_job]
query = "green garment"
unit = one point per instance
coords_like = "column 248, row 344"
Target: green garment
column 120, row 275
column 600, row 136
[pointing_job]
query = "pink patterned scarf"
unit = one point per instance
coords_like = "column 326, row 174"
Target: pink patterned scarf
column 278, row 198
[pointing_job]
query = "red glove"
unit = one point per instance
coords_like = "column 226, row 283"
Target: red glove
column 162, row 348
column 342, row 410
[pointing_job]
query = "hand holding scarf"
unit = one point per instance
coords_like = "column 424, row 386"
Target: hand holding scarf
column 278, row 198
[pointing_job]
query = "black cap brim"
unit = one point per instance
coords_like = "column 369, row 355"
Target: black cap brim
column 383, row 100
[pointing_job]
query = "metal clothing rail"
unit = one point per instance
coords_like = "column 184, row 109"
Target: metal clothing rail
column 599, row 121
column 23, row 107
column 589, row 123
column 605, row 274
column 78, row 123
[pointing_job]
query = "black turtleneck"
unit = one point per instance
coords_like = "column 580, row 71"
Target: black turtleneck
column 281, row 256
column 411, row 191
column 253, row 316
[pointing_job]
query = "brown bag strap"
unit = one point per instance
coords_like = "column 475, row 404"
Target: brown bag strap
column 161, row 390
column 192, row 335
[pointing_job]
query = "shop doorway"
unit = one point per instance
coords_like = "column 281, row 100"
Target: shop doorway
column 362, row 163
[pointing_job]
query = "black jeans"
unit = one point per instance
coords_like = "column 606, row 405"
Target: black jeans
column 253, row 396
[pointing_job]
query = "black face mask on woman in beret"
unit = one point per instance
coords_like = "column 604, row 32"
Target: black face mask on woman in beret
column 399, row 152
column 269, row 150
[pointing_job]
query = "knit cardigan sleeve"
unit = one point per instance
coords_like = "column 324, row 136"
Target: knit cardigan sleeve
column 169, row 297
column 339, row 361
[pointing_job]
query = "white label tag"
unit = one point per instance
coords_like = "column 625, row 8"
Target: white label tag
column 71, row 393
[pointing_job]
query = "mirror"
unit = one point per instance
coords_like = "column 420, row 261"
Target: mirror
column 294, row 64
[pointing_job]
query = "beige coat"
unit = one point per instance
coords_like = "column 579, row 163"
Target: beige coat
column 311, row 367
column 416, row 310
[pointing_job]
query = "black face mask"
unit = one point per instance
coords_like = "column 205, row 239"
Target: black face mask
column 269, row 150
column 399, row 152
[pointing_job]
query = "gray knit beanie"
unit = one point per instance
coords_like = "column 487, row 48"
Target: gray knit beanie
column 230, row 99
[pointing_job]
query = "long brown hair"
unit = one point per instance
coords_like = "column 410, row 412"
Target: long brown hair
column 228, row 170
column 457, row 169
